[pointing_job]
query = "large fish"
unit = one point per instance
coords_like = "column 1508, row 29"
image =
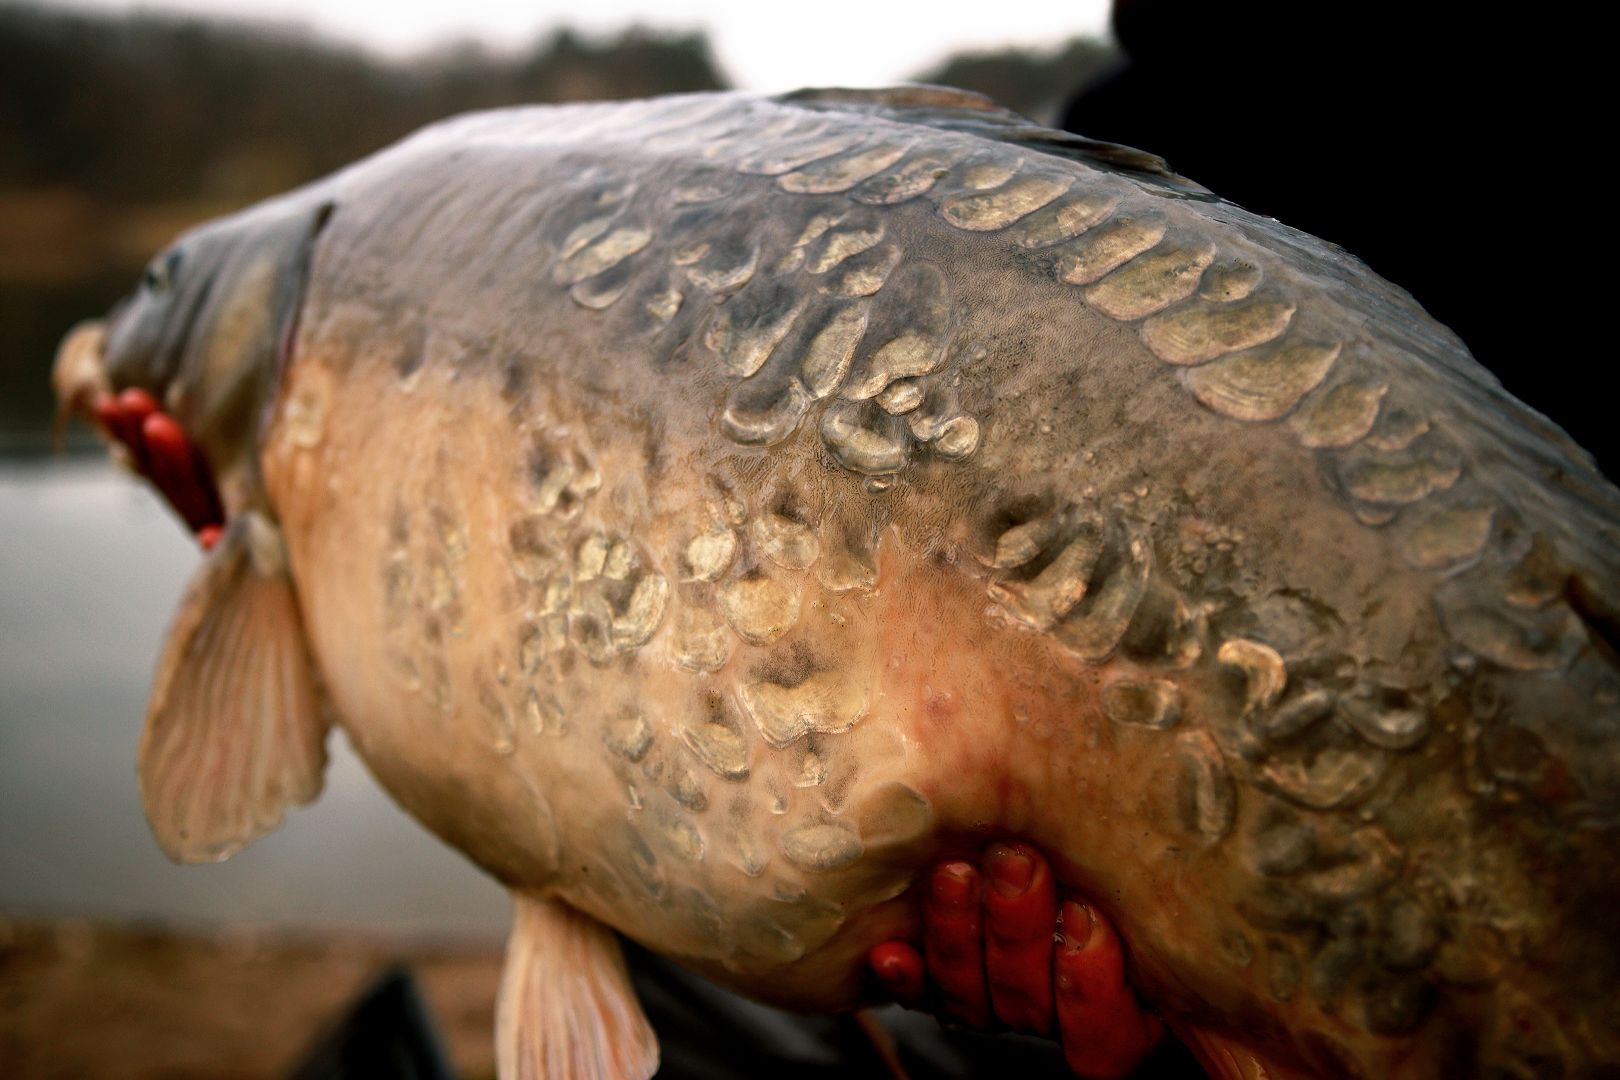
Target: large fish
column 706, row 513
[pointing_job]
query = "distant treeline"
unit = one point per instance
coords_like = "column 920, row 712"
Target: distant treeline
column 1037, row 84
column 118, row 131
column 152, row 106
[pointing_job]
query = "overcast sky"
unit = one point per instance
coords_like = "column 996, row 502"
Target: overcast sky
column 760, row 45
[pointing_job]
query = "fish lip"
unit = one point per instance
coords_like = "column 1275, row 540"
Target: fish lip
column 79, row 374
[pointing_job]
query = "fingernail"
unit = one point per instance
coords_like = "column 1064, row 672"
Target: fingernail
column 1011, row 871
column 1076, row 925
column 138, row 402
column 952, row 886
column 161, row 429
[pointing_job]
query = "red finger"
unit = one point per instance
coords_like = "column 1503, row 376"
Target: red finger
column 953, row 942
column 175, row 469
column 134, row 406
column 111, row 419
column 899, row 967
column 1105, row 1033
column 108, row 416
column 137, row 403
column 123, row 424
column 1021, row 906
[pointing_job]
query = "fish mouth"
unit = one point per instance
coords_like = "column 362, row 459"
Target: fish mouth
column 79, row 375
column 142, row 436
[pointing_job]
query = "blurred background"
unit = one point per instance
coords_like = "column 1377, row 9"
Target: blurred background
column 1406, row 132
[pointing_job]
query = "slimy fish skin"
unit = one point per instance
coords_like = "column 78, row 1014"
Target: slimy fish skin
column 707, row 513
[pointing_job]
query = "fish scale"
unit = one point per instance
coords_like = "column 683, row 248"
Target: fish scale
column 799, row 490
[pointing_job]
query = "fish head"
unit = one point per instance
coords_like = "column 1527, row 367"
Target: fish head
column 206, row 331
column 180, row 377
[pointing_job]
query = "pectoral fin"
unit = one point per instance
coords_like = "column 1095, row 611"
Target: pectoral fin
column 234, row 730
column 567, row 1010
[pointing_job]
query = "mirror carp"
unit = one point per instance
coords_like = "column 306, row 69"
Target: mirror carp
column 706, row 512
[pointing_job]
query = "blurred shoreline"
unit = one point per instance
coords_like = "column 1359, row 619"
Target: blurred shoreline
column 79, row 998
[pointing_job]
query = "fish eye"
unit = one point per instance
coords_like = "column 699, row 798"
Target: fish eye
column 159, row 276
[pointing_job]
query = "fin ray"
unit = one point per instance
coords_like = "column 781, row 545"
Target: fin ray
column 567, row 1009
column 234, row 731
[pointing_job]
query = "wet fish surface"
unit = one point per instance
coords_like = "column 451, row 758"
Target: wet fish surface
column 705, row 512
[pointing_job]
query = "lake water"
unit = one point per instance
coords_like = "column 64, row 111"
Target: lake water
column 91, row 568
